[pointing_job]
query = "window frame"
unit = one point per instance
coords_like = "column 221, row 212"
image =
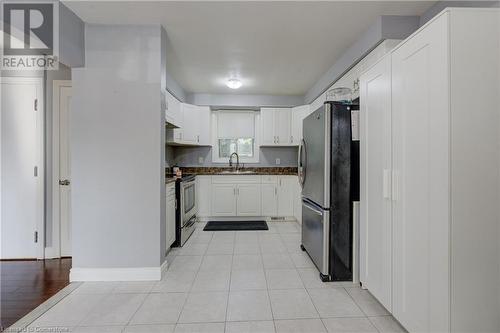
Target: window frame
column 215, row 137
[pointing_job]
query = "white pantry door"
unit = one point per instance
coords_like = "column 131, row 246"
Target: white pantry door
column 64, row 180
column 420, row 109
column 21, row 168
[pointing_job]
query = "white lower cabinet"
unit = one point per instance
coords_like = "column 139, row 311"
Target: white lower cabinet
column 204, row 195
column 248, row 200
column 248, row 196
column 223, row 200
column 170, row 215
column 286, row 195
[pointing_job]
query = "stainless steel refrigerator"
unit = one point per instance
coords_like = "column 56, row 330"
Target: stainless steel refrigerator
column 329, row 176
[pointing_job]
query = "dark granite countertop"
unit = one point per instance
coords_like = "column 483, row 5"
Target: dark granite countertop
column 279, row 171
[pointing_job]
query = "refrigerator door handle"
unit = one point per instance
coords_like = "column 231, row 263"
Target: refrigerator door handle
column 312, row 208
column 302, row 166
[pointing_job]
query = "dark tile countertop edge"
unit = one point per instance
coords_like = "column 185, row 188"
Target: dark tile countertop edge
column 278, row 171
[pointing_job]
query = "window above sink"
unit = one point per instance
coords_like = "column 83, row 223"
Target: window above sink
column 235, row 131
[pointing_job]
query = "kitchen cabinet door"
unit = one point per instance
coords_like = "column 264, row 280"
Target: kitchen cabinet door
column 283, row 121
column 297, row 200
column 203, row 126
column 248, row 200
column 223, row 200
column 375, row 180
column 204, row 195
column 420, row 109
column 190, row 123
column 286, row 195
column 173, row 109
column 268, row 136
column 298, row 115
column 269, row 198
column 170, row 216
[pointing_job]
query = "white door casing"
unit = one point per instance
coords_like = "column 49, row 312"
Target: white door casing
column 61, row 194
column 21, row 168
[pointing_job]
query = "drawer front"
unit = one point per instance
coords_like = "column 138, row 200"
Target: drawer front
column 268, row 179
column 236, row 179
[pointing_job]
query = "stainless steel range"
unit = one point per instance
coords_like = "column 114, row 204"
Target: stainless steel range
column 186, row 209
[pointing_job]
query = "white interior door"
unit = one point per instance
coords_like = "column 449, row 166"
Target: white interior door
column 21, row 170
column 64, row 170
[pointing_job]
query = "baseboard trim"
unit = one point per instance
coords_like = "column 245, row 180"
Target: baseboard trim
column 117, row 274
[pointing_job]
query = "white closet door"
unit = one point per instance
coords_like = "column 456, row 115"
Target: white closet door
column 376, row 164
column 421, row 180
column 21, row 168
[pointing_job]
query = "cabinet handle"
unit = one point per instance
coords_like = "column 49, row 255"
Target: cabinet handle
column 275, row 191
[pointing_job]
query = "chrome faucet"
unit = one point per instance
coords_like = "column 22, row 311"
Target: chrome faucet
column 237, row 160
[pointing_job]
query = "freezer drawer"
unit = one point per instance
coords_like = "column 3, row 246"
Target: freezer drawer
column 315, row 235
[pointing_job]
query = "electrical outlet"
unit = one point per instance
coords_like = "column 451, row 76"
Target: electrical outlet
column 278, row 161
column 201, row 160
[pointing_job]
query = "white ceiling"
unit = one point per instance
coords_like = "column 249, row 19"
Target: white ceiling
column 279, row 48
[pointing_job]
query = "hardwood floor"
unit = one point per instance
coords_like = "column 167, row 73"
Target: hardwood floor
column 26, row 284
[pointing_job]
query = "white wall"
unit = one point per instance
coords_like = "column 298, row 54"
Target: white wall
column 117, row 142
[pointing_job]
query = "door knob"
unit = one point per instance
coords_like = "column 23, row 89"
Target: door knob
column 64, row 182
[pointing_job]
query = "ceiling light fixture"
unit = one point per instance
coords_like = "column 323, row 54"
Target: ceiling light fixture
column 233, row 83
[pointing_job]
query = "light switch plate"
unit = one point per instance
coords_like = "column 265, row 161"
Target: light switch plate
column 201, row 160
column 278, row 161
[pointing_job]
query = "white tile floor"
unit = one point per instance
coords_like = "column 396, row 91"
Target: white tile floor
column 232, row 282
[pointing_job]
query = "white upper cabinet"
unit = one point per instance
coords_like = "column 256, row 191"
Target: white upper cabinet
column 195, row 126
column 267, row 127
column 190, row 123
column 375, row 179
column 276, row 126
column 282, row 125
column 172, row 110
column 298, row 115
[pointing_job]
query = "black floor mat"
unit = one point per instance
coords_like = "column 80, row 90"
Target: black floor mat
column 235, row 225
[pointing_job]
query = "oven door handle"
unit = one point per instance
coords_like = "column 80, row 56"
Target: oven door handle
column 190, row 223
